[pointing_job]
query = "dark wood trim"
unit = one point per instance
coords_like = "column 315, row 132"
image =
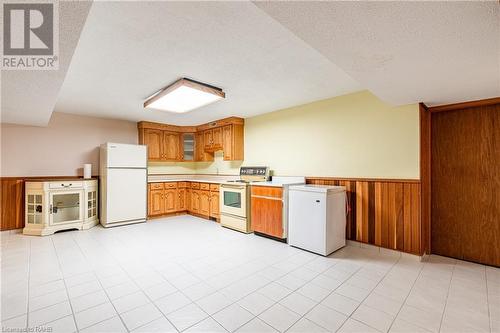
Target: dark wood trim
column 361, row 179
column 221, row 122
column 425, row 176
column 464, row 105
column 188, row 83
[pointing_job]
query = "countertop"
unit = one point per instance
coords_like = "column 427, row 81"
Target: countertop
column 280, row 181
column 212, row 179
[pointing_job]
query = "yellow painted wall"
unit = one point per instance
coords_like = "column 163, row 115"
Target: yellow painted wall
column 355, row 135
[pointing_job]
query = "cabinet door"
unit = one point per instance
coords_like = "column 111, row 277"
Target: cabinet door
column 205, row 203
column 154, row 140
column 65, row 207
column 189, row 194
column 170, row 200
column 156, row 203
column 187, row 147
column 214, row 204
column 208, row 139
column 200, row 154
column 217, row 138
column 227, row 142
column 195, row 201
column 171, row 146
column 267, row 216
column 181, row 200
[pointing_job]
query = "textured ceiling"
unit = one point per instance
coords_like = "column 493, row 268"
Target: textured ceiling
column 129, row 50
column 28, row 97
column 436, row 52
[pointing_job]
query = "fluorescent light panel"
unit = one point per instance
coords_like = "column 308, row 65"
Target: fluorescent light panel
column 184, row 95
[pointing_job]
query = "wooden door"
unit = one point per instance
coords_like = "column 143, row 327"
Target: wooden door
column 465, row 201
column 195, row 201
column 170, row 200
column 227, row 140
column 217, row 138
column 181, row 200
column 204, row 203
column 171, row 146
column 156, row 204
column 214, row 204
column 188, row 198
column 208, row 139
column 154, row 140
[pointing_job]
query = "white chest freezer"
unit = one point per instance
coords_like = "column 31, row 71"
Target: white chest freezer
column 317, row 218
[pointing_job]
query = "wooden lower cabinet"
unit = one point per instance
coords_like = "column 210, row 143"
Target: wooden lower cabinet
column 204, row 203
column 201, row 199
column 214, row 205
column 267, row 210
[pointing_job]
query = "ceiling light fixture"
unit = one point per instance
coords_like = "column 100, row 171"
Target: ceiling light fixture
column 184, row 95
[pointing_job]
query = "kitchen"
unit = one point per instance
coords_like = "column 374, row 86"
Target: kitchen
column 325, row 191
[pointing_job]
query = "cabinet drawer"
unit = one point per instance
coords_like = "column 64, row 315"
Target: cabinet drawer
column 170, row 185
column 68, row 184
column 182, row 184
column 156, row 186
column 204, row 186
column 195, row 185
column 267, row 191
column 214, row 187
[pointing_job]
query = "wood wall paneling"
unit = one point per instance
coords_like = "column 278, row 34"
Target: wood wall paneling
column 384, row 213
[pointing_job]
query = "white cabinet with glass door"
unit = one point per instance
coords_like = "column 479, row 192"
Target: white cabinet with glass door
column 60, row 205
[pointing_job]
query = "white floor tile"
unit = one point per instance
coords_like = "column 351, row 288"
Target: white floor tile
column 341, row 303
column 199, row 290
column 275, row 291
column 158, row 325
column 354, row 326
column 88, row 301
column 298, row 303
column 279, row 317
column 43, row 301
column 306, row 326
column 187, row 316
column 382, row 303
column 94, row 315
column 112, row 325
column 313, row 291
column 256, row 303
column 140, row 316
column 63, row 325
column 379, row 320
column 49, row 314
column 130, row 302
column 356, row 293
column 256, row 326
column 233, row 317
column 160, row 290
column 326, row 317
column 213, row 303
column 428, row 320
column 172, row 302
column 207, row 325
column 16, row 323
column 121, row 290
column 401, row 326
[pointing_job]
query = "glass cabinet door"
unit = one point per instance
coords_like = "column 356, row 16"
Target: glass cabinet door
column 188, row 144
column 34, row 207
column 65, row 207
column 91, row 204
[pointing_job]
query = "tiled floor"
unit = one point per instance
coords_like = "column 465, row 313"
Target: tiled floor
column 185, row 273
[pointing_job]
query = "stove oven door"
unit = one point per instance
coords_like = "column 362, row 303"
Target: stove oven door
column 233, row 199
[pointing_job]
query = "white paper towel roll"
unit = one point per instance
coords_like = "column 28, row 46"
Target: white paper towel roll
column 87, row 171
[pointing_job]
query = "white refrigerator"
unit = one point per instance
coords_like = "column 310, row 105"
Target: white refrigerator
column 317, row 218
column 123, row 171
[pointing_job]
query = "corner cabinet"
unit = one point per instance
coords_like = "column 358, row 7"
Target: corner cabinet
column 193, row 143
column 60, row 205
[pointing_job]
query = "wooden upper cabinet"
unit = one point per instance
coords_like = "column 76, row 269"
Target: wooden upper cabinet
column 175, row 143
column 232, row 139
column 171, row 146
column 154, row 140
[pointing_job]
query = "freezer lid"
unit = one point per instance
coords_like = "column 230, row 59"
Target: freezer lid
column 121, row 155
column 317, row 188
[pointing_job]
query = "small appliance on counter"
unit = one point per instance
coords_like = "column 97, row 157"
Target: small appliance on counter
column 235, row 198
column 317, row 218
column 123, row 169
column 269, row 201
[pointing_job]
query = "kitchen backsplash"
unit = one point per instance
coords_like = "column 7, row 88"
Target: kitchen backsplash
column 218, row 166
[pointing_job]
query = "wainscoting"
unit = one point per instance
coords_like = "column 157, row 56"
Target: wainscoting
column 384, row 213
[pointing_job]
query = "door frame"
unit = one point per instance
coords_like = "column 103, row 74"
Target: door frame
column 426, row 160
